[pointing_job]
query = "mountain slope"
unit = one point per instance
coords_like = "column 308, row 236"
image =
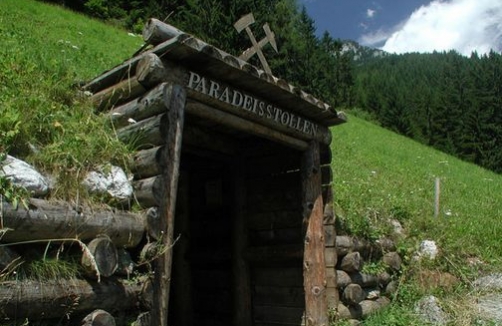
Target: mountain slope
column 378, row 174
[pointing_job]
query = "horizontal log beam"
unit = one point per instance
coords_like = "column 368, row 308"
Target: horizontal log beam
column 229, row 120
column 156, row 32
column 21, row 300
column 323, row 134
column 43, row 220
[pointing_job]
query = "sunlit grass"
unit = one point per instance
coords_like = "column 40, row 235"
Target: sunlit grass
column 46, row 53
column 380, row 175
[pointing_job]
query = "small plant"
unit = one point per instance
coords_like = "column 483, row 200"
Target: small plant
column 374, row 268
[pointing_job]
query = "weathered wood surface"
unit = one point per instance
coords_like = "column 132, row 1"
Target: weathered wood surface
column 149, row 133
column 152, row 223
column 150, row 71
column 148, row 192
column 290, row 296
column 156, row 32
column 229, row 120
column 101, row 258
column 314, row 271
column 45, row 220
column 145, row 133
column 146, row 163
column 323, row 134
column 200, row 56
column 34, row 300
column 145, row 106
column 175, row 106
column 274, row 255
column 277, row 315
column 116, row 94
column 98, row 317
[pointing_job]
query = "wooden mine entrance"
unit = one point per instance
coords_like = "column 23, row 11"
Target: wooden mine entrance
column 238, row 163
column 238, row 260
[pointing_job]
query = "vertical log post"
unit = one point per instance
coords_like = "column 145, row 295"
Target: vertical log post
column 241, row 278
column 314, row 272
column 174, row 97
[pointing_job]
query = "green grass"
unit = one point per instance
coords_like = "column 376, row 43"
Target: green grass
column 381, row 175
column 378, row 175
column 45, row 52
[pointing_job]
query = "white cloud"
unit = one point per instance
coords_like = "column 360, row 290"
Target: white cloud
column 370, row 13
column 462, row 25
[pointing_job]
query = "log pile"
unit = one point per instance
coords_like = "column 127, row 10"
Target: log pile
column 99, row 238
column 362, row 294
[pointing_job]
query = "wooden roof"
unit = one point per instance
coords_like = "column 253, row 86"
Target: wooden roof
column 196, row 55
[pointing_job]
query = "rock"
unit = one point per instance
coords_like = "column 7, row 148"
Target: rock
column 392, row 260
column 353, row 294
column 397, row 228
column 110, row 180
column 490, row 307
column 383, row 279
column 22, row 174
column 342, row 279
column 427, row 249
column 391, row 288
column 491, row 282
column 372, row 294
column 352, row 262
column 429, row 311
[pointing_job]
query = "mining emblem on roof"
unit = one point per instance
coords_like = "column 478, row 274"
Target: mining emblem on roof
column 244, row 23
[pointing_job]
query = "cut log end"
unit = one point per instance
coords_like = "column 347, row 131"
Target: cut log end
column 98, row 318
column 101, row 254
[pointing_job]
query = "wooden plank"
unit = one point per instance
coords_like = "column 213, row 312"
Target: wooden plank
column 323, row 134
column 229, row 120
column 316, row 308
column 281, row 161
column 275, row 314
column 275, row 255
column 274, row 220
column 278, row 276
column 274, row 236
column 274, row 295
column 241, row 276
column 175, row 106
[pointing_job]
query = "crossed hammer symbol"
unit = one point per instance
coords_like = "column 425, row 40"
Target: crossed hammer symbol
column 244, row 23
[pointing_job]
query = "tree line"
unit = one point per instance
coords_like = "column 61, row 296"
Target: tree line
column 316, row 65
column 442, row 99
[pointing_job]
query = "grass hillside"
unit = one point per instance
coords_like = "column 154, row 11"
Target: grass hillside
column 45, row 52
column 378, row 175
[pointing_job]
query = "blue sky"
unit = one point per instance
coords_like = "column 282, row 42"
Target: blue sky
column 412, row 25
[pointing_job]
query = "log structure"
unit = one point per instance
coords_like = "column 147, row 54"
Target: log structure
column 247, row 235
column 58, row 298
